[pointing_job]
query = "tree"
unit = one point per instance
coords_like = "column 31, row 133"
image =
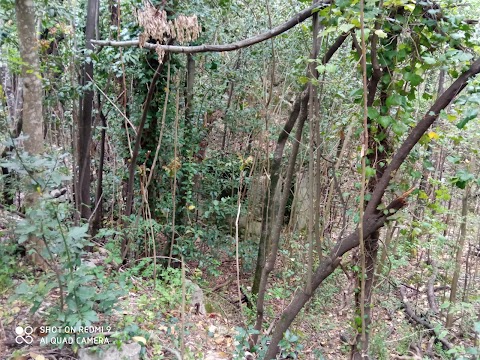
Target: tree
column 188, row 133
column 32, row 111
column 82, row 189
column 32, row 92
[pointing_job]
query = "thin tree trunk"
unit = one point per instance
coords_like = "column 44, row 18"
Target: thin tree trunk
column 388, row 240
column 313, row 199
column 458, row 258
column 268, row 207
column 274, row 237
column 32, row 100
column 187, row 148
column 97, row 220
column 85, row 118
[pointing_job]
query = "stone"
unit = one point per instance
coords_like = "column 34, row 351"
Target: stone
column 197, row 301
column 111, row 352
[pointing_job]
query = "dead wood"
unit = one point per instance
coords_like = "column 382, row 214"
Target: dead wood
column 414, row 318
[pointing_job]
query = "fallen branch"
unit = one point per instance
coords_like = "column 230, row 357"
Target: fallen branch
column 219, row 286
column 415, row 318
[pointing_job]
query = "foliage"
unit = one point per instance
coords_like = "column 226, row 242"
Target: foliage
column 207, row 165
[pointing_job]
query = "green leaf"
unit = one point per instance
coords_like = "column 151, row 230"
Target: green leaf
column 89, row 316
column 385, row 121
column 427, row 96
column 464, row 175
column 461, row 178
column 372, row 113
column 78, row 232
column 369, row 172
column 356, row 93
column 395, row 100
column 471, row 114
column 413, row 78
column 303, row 80
column 85, row 293
column 472, row 351
column 22, row 289
column 399, row 128
column 429, row 60
column 345, row 27
column 476, row 327
column 442, row 334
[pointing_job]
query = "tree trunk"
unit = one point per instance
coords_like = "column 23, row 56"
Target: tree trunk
column 268, row 206
column 32, row 100
column 274, row 235
column 32, row 89
column 97, row 219
column 85, row 118
column 458, row 258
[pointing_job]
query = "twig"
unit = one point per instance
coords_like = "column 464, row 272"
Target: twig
column 116, row 107
column 219, row 286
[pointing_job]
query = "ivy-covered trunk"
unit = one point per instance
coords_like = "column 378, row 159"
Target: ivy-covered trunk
column 82, row 190
column 32, row 111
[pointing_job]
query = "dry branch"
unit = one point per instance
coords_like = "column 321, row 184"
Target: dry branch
column 280, row 29
column 415, row 318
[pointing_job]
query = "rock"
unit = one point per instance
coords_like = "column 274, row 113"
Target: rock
column 198, row 300
column 126, row 352
column 89, row 264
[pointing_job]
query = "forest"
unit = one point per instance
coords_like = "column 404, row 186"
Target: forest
column 232, row 179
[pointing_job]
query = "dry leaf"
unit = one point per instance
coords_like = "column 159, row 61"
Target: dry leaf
column 140, row 339
column 36, row 356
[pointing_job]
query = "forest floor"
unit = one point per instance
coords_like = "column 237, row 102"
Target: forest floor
column 324, row 329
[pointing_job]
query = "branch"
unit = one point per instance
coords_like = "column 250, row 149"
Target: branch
column 280, row 29
column 417, row 132
column 328, row 265
column 417, row 319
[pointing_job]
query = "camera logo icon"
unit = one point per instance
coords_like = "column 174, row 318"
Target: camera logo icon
column 24, row 335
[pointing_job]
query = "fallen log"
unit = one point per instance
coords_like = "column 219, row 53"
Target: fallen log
column 414, row 318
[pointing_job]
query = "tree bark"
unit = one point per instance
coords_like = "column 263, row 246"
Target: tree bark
column 269, row 197
column 274, row 235
column 458, row 258
column 32, row 89
column 85, row 118
column 32, row 111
